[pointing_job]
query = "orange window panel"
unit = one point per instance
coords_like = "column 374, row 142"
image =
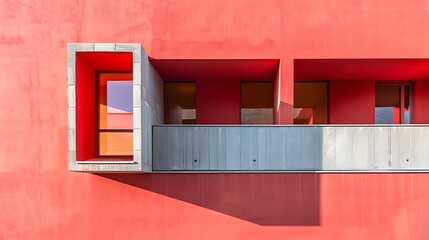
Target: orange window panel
column 116, row 143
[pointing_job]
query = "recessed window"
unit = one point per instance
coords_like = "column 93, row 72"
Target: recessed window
column 310, row 103
column 180, row 103
column 256, row 103
column 115, row 114
column 106, row 131
column 392, row 104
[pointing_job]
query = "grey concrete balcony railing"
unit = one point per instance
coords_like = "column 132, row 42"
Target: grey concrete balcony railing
column 290, row 148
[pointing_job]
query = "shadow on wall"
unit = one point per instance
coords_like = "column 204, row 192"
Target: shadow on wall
column 264, row 199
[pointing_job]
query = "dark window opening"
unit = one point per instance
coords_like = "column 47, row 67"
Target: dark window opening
column 392, row 104
column 180, row 103
column 310, row 103
column 256, row 103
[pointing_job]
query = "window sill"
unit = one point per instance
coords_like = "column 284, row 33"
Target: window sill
column 108, row 160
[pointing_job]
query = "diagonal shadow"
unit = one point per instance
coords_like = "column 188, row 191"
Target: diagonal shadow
column 269, row 199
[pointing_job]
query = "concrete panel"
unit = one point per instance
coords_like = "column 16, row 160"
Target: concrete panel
column 221, row 144
column 204, row 148
column 233, row 145
column 176, row 149
column 311, row 148
column 343, row 148
column 403, row 147
column 245, row 157
column 421, row 157
column 329, row 148
column 213, row 149
column 278, row 148
column 382, row 147
column 161, row 151
column 196, row 135
column 253, row 148
column 188, row 139
column 264, row 153
column 291, row 148
column 361, row 145
column 146, row 134
column 290, row 142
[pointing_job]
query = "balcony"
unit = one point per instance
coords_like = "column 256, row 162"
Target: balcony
column 290, row 148
column 202, row 101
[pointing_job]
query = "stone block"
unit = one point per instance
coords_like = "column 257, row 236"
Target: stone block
column 137, row 141
column 71, row 118
column 72, row 140
column 71, row 92
column 137, row 73
column 137, row 96
column 71, row 73
column 104, row 47
column 137, row 112
column 81, row 47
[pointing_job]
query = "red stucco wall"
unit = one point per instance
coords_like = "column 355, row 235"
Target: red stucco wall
column 218, row 101
column 40, row 199
column 421, row 102
column 351, row 102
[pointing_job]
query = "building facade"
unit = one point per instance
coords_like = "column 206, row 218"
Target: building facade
column 217, row 119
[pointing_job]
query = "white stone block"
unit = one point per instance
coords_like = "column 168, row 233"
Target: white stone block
column 81, row 47
column 137, row 142
column 72, row 140
column 72, row 158
column 137, row 115
column 71, row 73
column 72, row 118
column 137, row 157
column 105, row 47
column 137, row 96
column 71, row 96
column 137, row 73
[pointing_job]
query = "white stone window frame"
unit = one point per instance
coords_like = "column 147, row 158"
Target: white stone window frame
column 140, row 163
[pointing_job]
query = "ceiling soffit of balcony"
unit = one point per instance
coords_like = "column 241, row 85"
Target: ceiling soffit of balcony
column 361, row 69
column 172, row 70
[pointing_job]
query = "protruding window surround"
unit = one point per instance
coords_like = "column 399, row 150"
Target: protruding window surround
column 84, row 61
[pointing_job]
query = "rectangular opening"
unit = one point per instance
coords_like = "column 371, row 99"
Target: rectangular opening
column 115, row 115
column 256, row 103
column 180, row 103
column 392, row 103
column 310, row 103
column 98, row 85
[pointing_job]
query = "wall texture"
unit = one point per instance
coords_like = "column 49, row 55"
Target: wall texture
column 351, row 102
column 40, row 199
